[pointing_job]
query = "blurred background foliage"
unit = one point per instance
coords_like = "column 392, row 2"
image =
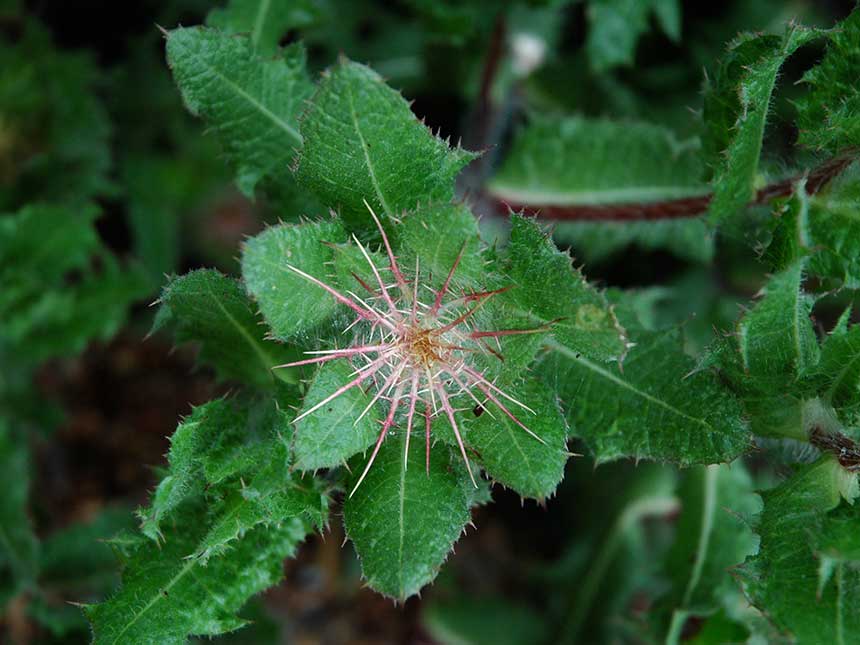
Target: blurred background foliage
column 107, row 185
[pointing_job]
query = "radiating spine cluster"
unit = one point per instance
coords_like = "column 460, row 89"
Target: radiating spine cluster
column 415, row 351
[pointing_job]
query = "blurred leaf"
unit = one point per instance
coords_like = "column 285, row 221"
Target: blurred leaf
column 615, row 27
column 264, row 21
column 362, row 142
column 712, row 535
column 473, row 621
column 572, row 161
column 53, row 131
column 19, row 555
column 59, row 288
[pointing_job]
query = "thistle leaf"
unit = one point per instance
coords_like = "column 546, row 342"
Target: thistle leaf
column 362, row 142
column 331, row 435
column 166, row 597
column 737, row 101
column 510, row 455
column 547, row 290
column 814, row 595
column 291, row 305
column 652, row 409
column 404, row 521
column 827, row 113
column 252, row 104
column 211, row 309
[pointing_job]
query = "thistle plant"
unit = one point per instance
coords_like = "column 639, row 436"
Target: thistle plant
column 405, row 339
column 416, row 345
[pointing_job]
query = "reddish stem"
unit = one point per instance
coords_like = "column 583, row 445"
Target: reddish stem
column 675, row 208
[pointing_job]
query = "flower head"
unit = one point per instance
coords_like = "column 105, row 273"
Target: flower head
column 417, row 351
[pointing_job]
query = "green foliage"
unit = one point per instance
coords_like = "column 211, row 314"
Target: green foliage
column 211, row 309
column 19, row 556
column 362, row 143
column 403, row 521
column 574, row 162
column 823, row 228
column 477, row 350
column 53, row 131
column 737, row 102
column 802, row 575
column 654, row 408
column 59, row 287
column 617, row 25
column 827, row 113
column 263, row 21
column 712, row 535
column 250, row 102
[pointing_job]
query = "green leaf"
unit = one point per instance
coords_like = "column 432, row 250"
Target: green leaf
column 776, row 339
column 737, row 101
column 252, row 104
column 59, row 288
column 510, row 455
column 211, row 309
column 827, row 114
column 574, row 161
column 823, row 227
column 235, row 451
column 436, row 234
column 271, row 497
column 571, row 163
column 655, row 408
column 839, row 371
column 331, row 435
column 546, row 289
column 471, row 621
column 404, row 521
column 712, row 535
column 291, row 304
column 182, row 481
column 782, row 578
column 264, row 21
column 615, row 27
column 19, row 552
column 166, row 596
column 594, row 242
column 54, row 130
column 362, row 142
